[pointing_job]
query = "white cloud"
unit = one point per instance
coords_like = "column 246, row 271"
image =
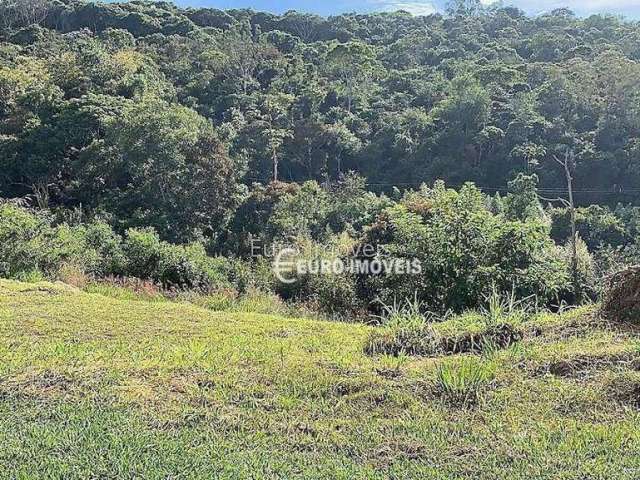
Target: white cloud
column 416, row 8
column 413, row 7
column 579, row 6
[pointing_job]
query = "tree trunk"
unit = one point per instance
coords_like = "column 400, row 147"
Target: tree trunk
column 574, row 234
column 275, row 166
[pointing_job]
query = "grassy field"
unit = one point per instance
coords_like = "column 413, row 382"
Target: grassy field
column 93, row 386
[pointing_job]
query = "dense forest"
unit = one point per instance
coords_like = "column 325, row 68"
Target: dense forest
column 157, row 137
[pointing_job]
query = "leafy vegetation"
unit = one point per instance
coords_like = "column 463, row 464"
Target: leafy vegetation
column 146, row 140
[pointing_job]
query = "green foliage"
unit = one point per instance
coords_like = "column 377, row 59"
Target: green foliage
column 30, row 243
column 334, row 295
column 300, row 214
column 184, row 181
column 321, row 288
column 19, row 243
column 182, row 266
column 107, row 245
column 252, row 301
column 597, row 225
column 463, row 249
column 378, row 94
column 352, row 207
column 521, row 203
column 148, row 115
column 587, row 280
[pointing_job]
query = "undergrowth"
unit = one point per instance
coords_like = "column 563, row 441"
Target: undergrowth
column 405, row 329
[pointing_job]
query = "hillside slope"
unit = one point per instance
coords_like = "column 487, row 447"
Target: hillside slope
column 92, row 386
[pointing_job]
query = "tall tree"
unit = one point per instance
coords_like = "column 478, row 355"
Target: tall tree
column 161, row 165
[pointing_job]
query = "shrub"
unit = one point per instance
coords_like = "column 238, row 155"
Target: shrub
column 31, row 276
column 29, row 242
column 334, row 295
column 608, row 261
column 72, row 275
column 31, row 245
column 142, row 250
column 22, row 235
column 251, row 275
column 189, row 266
column 228, row 300
column 179, row 266
column 327, row 291
column 219, row 301
column 597, row 225
column 67, row 246
column 463, row 250
column 107, row 244
column 257, row 301
column 303, row 213
column 587, row 281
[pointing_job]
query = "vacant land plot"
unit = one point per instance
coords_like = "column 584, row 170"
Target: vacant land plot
column 98, row 387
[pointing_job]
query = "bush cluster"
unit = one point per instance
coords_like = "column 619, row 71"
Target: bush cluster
column 465, row 250
column 32, row 245
column 469, row 246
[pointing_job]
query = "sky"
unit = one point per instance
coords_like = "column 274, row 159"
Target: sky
column 630, row 8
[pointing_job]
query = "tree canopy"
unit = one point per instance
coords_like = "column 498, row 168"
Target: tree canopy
column 162, row 116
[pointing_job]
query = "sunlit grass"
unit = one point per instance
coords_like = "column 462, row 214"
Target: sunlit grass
column 102, row 385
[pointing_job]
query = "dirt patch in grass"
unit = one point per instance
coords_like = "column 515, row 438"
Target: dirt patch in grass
column 348, row 386
column 49, row 384
column 585, row 366
column 388, row 453
column 625, row 389
column 427, row 342
column 389, row 373
column 571, row 328
column 497, row 337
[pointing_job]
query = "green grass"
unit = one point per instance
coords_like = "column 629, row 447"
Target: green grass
column 93, row 386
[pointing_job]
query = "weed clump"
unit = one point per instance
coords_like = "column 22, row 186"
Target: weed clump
column 494, row 337
column 405, row 338
column 625, row 389
column 405, row 331
column 463, row 382
column 501, row 318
